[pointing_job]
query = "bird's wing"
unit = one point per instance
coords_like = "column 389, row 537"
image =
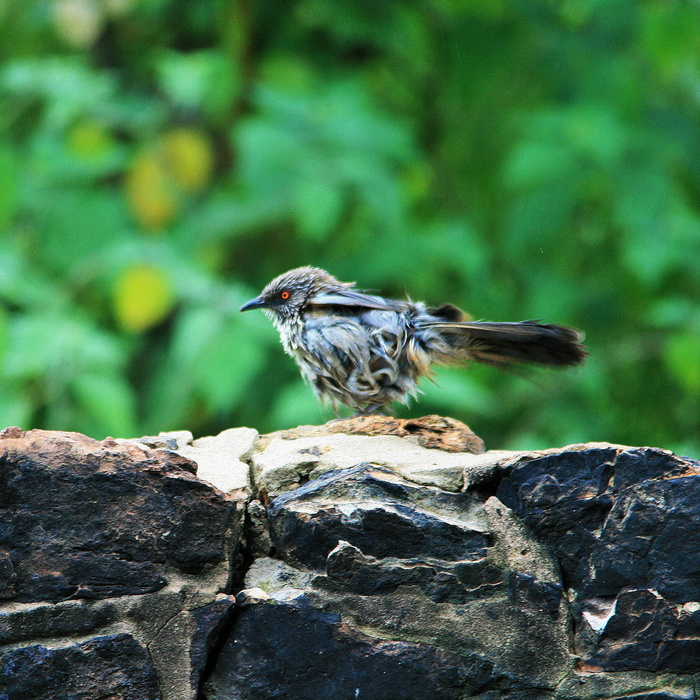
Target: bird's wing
column 351, row 297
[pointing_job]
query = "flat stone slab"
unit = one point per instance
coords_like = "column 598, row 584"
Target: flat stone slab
column 222, row 459
column 439, row 432
column 286, row 464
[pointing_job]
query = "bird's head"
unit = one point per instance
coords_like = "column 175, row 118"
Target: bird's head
column 287, row 296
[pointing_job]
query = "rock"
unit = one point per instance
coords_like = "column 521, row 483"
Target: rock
column 165, row 441
column 438, row 580
column 221, row 460
column 405, row 562
column 382, row 514
column 19, row 623
column 117, row 543
column 619, row 522
column 643, row 631
column 181, row 647
column 436, row 432
column 564, row 574
column 294, row 650
column 257, row 533
column 514, row 547
column 139, row 511
column 112, row 666
column 285, row 464
column 628, row 685
column 251, row 596
column 271, row 575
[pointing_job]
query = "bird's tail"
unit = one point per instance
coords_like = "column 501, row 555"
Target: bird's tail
column 504, row 344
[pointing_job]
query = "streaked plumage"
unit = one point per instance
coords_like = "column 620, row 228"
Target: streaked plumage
column 366, row 351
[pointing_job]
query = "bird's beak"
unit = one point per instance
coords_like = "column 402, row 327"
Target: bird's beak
column 257, row 303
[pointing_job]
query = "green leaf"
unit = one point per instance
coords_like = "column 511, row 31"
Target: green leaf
column 45, row 344
column 317, row 208
column 79, row 223
column 66, row 83
column 296, row 405
column 227, row 366
column 8, row 186
column 683, row 358
column 457, row 391
column 533, row 162
column 108, row 401
column 142, row 297
column 4, row 334
column 539, row 216
column 198, row 79
column 15, row 407
column 32, row 346
column 196, row 328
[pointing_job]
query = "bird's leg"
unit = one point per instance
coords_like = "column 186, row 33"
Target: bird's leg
column 372, row 410
column 367, row 411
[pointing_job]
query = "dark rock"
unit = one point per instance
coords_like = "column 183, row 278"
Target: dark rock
column 48, row 620
column 161, row 442
column 657, row 696
column 624, row 685
column 601, row 521
column 645, row 540
column 86, row 519
column 377, row 512
column 209, row 622
column 293, row 651
column 8, row 576
column 440, row 580
column 178, row 635
column 619, row 522
column 645, row 632
column 104, row 668
column 579, row 580
column 437, row 567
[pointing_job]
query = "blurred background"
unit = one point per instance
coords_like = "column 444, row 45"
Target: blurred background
column 161, row 160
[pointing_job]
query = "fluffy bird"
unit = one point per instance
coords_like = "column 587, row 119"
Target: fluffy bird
column 365, row 351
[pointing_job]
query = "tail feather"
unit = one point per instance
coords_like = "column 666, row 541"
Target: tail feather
column 503, row 344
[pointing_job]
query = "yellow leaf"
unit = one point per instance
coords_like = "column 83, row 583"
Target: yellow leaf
column 189, row 157
column 150, row 193
column 143, row 296
column 78, row 22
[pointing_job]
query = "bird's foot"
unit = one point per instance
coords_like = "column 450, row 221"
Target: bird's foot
column 370, row 411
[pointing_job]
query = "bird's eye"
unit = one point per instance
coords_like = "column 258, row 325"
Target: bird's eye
column 284, row 295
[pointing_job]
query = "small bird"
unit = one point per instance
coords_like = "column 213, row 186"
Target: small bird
column 365, row 351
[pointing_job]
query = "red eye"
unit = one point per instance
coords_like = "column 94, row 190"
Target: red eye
column 284, row 295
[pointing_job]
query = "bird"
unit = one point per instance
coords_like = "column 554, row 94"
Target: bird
column 365, row 351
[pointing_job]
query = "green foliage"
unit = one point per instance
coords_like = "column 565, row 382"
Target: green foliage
column 160, row 161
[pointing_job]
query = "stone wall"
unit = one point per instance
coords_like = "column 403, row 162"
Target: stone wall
column 369, row 558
